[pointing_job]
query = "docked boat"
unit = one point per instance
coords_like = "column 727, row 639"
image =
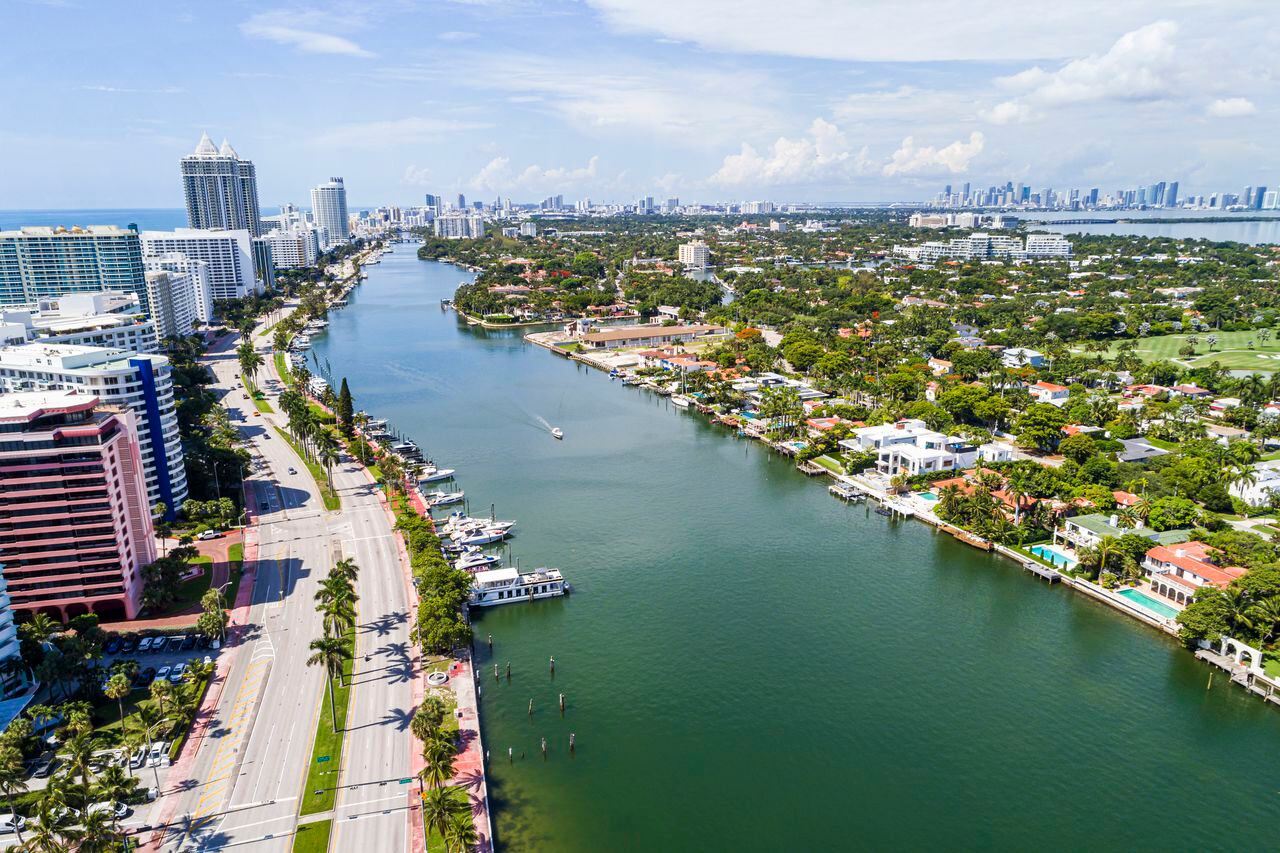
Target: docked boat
column 846, row 492
column 435, row 499
column 432, row 474
column 473, row 560
column 505, row 586
column 556, row 432
column 479, row 536
column 681, row 400
column 458, row 520
column 407, row 449
column 631, row 380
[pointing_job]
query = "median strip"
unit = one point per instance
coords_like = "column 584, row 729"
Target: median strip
column 320, row 792
column 327, row 495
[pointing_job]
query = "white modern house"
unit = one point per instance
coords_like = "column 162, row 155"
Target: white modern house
column 909, row 447
column 1266, row 481
column 1022, row 357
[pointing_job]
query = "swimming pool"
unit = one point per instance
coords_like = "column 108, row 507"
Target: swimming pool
column 928, row 496
column 1053, row 555
column 1148, row 603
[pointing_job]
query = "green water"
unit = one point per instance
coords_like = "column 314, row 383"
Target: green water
column 750, row 664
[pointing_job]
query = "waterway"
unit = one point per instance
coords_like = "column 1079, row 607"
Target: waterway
column 750, row 664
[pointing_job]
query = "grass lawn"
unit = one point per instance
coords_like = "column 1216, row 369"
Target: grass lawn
column 322, row 776
column 1232, row 351
column 830, row 464
column 312, row 837
column 260, row 402
column 282, row 368
column 1271, row 666
column 328, row 495
column 1162, row 444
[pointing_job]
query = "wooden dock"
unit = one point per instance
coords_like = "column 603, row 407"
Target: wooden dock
column 810, row 468
column 1259, row 685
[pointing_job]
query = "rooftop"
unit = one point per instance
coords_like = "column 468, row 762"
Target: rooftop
column 29, row 405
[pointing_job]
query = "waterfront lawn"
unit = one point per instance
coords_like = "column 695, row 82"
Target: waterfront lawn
column 435, row 841
column 327, row 495
column 322, row 776
column 312, row 837
column 830, row 464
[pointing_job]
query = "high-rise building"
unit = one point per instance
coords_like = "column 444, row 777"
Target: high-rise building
column 107, row 319
column 329, row 210
column 1259, row 194
column 220, row 188
column 695, row 255
column 139, row 382
column 462, row 202
column 297, row 248
column 229, row 255
column 13, row 677
column 1171, row 195
column 173, row 303
column 76, row 522
column 196, row 269
column 39, row 263
column 456, row 226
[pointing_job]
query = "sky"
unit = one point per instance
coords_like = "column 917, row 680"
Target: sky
column 706, row 100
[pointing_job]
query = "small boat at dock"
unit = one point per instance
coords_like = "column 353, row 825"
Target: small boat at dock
column 435, row 499
column 432, row 474
column 847, row 492
column 681, row 400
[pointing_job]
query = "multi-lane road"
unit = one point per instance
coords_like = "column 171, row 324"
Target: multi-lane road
column 246, row 782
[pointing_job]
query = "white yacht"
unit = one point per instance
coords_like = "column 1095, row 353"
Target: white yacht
column 435, row 499
column 504, row 586
column 681, row 400
column 473, row 559
column 556, row 432
column 432, row 474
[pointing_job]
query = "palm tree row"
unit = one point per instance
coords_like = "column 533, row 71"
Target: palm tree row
column 442, row 809
column 336, row 601
column 317, row 441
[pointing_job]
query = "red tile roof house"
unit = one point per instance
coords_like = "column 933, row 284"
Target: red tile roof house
column 1048, row 392
column 1191, row 391
column 1145, row 390
column 1177, row 571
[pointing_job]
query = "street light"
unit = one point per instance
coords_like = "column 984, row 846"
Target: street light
column 155, row 767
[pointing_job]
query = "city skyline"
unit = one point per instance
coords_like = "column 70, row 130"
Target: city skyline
column 629, row 99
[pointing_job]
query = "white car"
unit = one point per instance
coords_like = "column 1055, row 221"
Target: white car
column 210, row 534
column 139, row 758
column 162, row 673
column 159, row 751
column 112, row 807
column 12, row 822
column 179, row 669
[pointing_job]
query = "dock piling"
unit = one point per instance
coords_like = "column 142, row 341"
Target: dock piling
column 562, row 704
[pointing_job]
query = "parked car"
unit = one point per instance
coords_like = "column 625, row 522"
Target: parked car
column 112, row 646
column 139, row 757
column 215, row 643
column 202, row 642
column 175, row 643
column 208, row 661
column 129, row 646
column 189, row 642
column 210, row 534
column 175, row 674
column 112, row 807
column 45, row 765
column 12, row 822
column 145, row 677
column 158, row 752
column 163, row 673
column 144, row 645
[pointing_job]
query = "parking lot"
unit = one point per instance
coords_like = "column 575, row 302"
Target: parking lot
column 157, row 652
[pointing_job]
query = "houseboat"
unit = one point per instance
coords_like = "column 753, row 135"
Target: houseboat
column 505, row 586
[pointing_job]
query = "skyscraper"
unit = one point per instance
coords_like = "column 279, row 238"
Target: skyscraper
column 1171, row 195
column 41, row 262
column 329, row 209
column 462, row 202
column 220, row 188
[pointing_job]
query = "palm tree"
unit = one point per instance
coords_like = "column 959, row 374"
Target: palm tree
column 41, row 627
column 51, row 831
column 439, row 753
column 392, row 472
column 331, row 653
column 115, row 785
column 346, row 568
column 250, row 360
column 1017, row 487
column 1239, row 609
column 438, row 807
column 117, row 688
column 327, row 452
column 98, row 833
column 13, row 777
column 1265, row 616
column 460, row 835
column 161, row 694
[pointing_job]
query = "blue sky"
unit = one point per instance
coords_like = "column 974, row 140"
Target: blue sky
column 819, row 100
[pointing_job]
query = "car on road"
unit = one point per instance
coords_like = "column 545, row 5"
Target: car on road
column 292, row 470
column 112, row 807
column 12, row 822
column 179, row 670
column 163, row 673
column 209, row 534
column 45, row 765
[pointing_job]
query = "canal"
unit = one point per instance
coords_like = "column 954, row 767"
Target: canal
column 750, row 664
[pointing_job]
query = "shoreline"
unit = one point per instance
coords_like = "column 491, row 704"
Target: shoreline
column 898, row 508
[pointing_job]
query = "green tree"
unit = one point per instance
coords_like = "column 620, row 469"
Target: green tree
column 1207, row 617
column 1040, row 426
column 1078, row 447
column 460, row 834
column 345, row 410
column 13, row 777
column 213, row 618
column 331, row 653
column 118, row 686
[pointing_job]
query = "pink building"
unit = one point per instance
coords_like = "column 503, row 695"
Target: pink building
column 75, row 527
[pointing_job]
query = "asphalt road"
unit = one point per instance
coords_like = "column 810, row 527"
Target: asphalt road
column 247, row 778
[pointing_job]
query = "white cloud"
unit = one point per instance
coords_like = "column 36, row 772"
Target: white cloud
column 456, row 35
column 125, row 90
column 416, row 176
column 1231, row 108
column 902, row 31
column 1140, row 66
column 403, row 131
column 824, row 154
column 1007, row 112
column 911, row 159
column 282, row 29
column 498, row 176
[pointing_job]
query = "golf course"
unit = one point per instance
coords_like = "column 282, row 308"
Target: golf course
column 1254, row 350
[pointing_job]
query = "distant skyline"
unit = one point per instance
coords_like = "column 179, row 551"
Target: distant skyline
column 707, row 100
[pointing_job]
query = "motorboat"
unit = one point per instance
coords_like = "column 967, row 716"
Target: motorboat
column 433, row 474
column 506, row 586
column 458, row 520
column 479, row 536
column 407, row 449
column 443, row 498
column 556, row 432
column 475, row 560
column 681, row 400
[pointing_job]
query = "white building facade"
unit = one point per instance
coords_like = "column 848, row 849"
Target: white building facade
column 229, row 255
column 198, row 273
column 329, row 210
